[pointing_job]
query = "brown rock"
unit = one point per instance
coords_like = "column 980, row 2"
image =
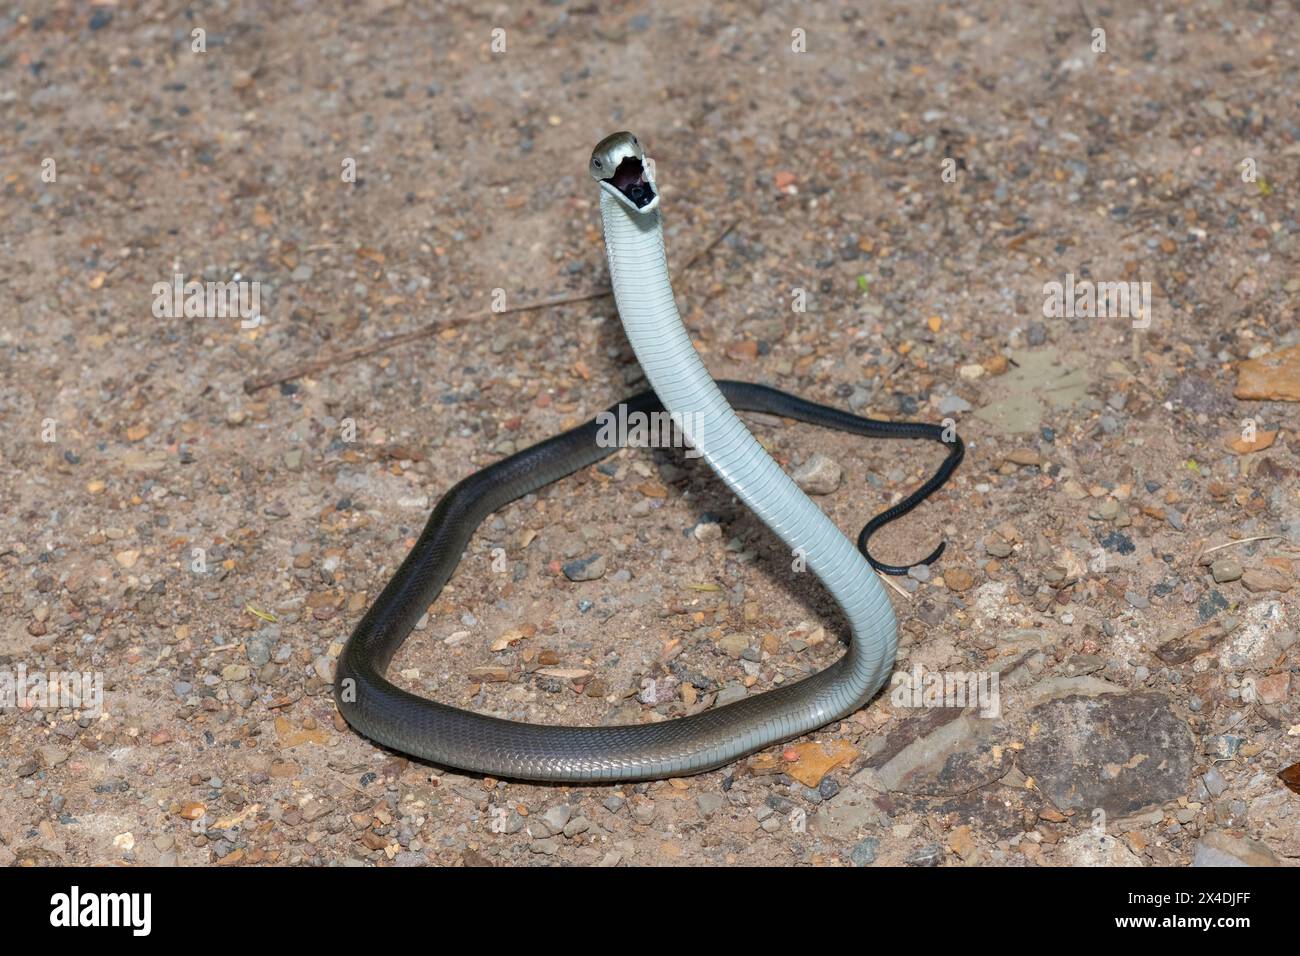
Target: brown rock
column 565, row 673
column 766, row 763
column 1238, row 445
column 958, row 579
column 996, row 365
column 1274, row 377
column 961, row 842
column 744, row 350
column 1121, row 752
column 1181, row 649
column 1266, row 579
column 290, row 736
column 1024, row 456
column 1273, row 689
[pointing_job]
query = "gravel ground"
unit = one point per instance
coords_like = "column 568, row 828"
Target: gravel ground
column 1123, row 537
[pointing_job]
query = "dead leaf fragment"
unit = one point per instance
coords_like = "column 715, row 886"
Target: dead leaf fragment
column 810, row 762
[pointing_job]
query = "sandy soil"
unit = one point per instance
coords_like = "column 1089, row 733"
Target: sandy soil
column 206, row 549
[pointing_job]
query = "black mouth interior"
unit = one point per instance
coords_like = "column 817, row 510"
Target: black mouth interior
column 629, row 179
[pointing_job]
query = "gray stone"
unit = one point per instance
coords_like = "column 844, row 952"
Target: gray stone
column 258, row 650
column 819, row 475
column 1041, row 382
column 1214, row 782
column 730, row 694
column 585, row 569
column 941, row 751
column 656, row 691
column 575, row 826
column 1138, row 601
column 952, row 405
column 1218, row 848
column 1084, row 664
column 864, row 852
column 1120, row 752
column 847, row 815
column 548, row 846
column 556, row 817
column 1258, row 640
column 52, row 756
column 467, row 791
column 997, row 548
column 710, row 803
column 929, row 855
column 538, row 829
column 733, row 645
column 1223, row 746
column 1089, row 849
column 315, row 809
column 1225, row 570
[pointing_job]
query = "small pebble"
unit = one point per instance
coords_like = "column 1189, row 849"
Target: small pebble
column 1225, row 570
column 819, row 475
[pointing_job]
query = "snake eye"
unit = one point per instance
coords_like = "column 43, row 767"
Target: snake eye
column 596, row 163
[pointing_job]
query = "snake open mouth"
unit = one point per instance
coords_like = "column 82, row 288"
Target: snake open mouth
column 630, row 180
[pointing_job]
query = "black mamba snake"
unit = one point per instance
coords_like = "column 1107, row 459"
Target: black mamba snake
column 479, row 743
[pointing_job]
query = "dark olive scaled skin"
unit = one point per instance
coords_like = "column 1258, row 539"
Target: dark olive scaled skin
column 478, row 743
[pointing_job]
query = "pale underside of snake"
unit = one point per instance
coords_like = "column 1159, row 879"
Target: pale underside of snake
column 629, row 204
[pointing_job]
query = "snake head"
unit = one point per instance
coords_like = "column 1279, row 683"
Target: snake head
column 619, row 165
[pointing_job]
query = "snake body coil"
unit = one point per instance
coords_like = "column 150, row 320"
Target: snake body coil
column 476, row 742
